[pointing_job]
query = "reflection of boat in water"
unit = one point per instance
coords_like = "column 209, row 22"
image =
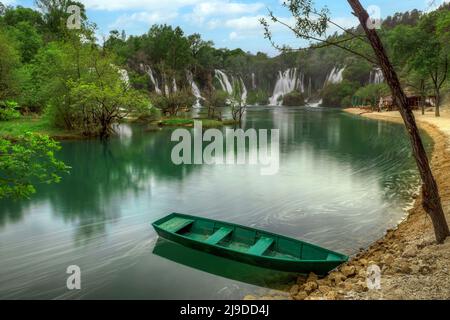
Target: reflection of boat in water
column 221, row 266
column 248, row 245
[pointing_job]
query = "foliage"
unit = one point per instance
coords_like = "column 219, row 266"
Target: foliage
column 371, row 94
column 430, row 59
column 257, row 97
column 8, row 110
column 294, row 99
column 9, row 61
column 34, row 124
column 174, row 102
column 216, row 99
column 27, row 161
column 334, row 94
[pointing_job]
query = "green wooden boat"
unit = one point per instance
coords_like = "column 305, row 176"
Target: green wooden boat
column 247, row 245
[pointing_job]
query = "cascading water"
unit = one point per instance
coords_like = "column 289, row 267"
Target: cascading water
column 376, row 76
column 253, row 81
column 195, row 89
column 287, row 82
column 244, row 92
column 335, row 76
column 224, row 81
column 315, row 104
column 229, row 86
column 152, row 77
column 174, row 85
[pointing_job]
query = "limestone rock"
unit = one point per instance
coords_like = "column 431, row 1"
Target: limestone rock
column 312, row 277
column 302, row 295
column 363, row 262
column 294, row 290
column 324, row 289
column 310, row 286
column 410, row 252
column 403, row 267
column 331, row 295
column 348, row 271
column 388, row 259
column 336, row 278
column 424, row 270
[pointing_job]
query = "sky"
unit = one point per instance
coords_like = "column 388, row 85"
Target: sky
column 228, row 23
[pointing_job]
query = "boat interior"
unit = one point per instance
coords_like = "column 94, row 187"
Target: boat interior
column 244, row 240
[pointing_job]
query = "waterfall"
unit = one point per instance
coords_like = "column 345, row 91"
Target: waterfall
column 195, row 90
column 153, row 78
column 335, row 76
column 244, row 92
column 316, row 104
column 287, row 82
column 253, row 81
column 310, row 87
column 229, row 86
column 376, row 76
column 174, row 85
column 224, row 81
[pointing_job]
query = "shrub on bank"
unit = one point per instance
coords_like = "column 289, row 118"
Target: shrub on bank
column 294, row 99
column 9, row 110
column 335, row 93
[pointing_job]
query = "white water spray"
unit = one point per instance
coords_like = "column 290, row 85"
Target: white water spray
column 287, row 82
column 195, row 89
column 335, row 76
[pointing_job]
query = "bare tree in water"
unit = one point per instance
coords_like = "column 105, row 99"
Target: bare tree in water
column 312, row 24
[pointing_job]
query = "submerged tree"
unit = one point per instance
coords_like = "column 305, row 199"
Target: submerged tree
column 311, row 24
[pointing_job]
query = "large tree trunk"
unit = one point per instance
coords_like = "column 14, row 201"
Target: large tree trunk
column 431, row 199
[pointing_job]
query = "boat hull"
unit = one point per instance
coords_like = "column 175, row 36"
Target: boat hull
column 297, row 266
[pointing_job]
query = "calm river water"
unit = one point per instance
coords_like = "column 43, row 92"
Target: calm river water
column 342, row 182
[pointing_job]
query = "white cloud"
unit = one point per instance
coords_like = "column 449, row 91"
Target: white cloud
column 148, row 5
column 244, row 23
column 147, row 18
column 206, row 10
column 8, row 2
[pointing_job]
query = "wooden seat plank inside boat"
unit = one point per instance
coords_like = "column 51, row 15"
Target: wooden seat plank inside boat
column 261, row 246
column 219, row 235
column 176, row 224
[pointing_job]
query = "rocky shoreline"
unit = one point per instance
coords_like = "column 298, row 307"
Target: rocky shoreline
column 412, row 265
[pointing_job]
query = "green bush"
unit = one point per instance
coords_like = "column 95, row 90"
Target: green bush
column 259, row 97
column 334, row 94
column 149, row 114
column 30, row 160
column 173, row 103
column 8, row 110
column 294, row 99
column 370, row 94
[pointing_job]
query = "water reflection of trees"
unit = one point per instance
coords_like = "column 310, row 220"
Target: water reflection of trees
column 102, row 174
column 371, row 148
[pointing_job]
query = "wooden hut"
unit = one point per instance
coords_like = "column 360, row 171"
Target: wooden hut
column 388, row 103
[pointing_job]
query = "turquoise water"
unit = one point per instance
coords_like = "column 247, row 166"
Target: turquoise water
column 342, row 182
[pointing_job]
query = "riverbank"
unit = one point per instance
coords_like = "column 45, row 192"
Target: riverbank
column 188, row 122
column 35, row 124
column 412, row 265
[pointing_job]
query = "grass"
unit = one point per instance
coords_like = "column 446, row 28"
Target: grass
column 183, row 122
column 34, row 124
